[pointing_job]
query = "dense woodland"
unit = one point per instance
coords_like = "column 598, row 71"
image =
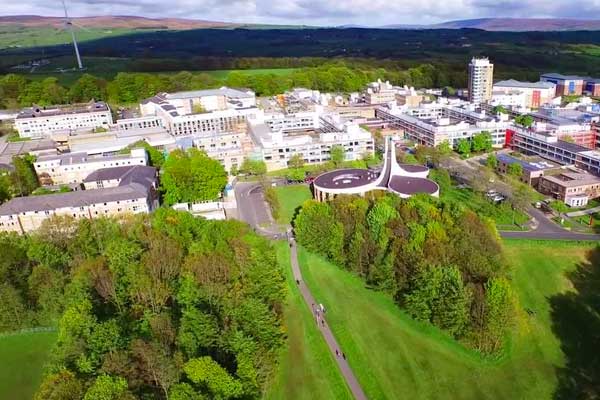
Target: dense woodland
column 441, row 262
column 522, row 55
column 160, row 306
column 127, row 88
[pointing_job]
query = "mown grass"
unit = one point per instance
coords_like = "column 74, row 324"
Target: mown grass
column 396, row 357
column 291, row 198
column 502, row 214
column 306, row 368
column 22, row 358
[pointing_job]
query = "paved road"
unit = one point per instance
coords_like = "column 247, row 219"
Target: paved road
column 546, row 229
column 252, row 209
column 351, row 380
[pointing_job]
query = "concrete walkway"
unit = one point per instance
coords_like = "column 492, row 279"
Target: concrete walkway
column 351, row 380
column 583, row 212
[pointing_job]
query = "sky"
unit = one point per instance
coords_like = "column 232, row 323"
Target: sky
column 315, row 12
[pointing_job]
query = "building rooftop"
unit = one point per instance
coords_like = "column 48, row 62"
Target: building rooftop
column 79, row 158
column 163, row 98
column 223, row 91
column 410, row 185
column 521, row 84
column 135, row 182
column 39, row 111
column 553, row 75
column 571, row 147
column 346, row 178
column 540, row 165
column 128, row 174
column 573, row 179
column 79, row 198
column 591, row 154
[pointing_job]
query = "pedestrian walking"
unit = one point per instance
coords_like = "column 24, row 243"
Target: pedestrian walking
column 343, row 355
column 322, row 322
column 297, row 281
column 337, row 353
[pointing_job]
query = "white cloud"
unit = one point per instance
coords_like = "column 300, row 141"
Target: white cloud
column 316, row 12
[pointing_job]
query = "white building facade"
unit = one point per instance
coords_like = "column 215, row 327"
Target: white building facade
column 38, row 122
column 64, row 169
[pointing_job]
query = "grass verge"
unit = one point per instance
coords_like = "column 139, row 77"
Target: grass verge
column 395, row 357
column 290, row 198
column 306, row 368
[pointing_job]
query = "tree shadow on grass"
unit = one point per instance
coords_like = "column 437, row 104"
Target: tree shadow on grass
column 576, row 322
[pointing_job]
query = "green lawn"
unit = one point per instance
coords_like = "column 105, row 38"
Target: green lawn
column 502, row 213
column 16, row 36
column 109, row 67
column 307, row 369
column 222, row 73
column 22, row 358
column 290, row 198
column 396, row 357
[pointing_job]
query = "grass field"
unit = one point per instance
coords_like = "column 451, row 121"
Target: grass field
column 396, row 357
column 502, row 214
column 22, row 358
column 290, row 198
column 108, row 67
column 18, row 36
column 307, row 369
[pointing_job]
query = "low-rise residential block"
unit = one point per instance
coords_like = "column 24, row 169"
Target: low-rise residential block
column 39, row 122
column 129, row 191
column 63, row 169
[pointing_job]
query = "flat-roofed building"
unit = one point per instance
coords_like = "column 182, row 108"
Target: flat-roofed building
column 574, row 189
column 112, row 142
column 566, row 85
column 140, row 123
column 278, row 137
column 229, row 148
column 380, row 93
column 533, row 169
column 202, row 111
column 534, row 93
column 548, row 146
column 136, row 193
column 481, row 80
column 63, row 169
column 434, row 123
column 592, row 86
column 38, row 122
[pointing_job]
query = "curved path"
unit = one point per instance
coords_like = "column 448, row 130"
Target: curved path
column 351, row 380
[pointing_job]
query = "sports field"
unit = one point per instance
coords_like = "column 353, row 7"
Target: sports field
column 396, row 357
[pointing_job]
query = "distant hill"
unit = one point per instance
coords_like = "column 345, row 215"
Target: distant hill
column 117, row 21
column 512, row 24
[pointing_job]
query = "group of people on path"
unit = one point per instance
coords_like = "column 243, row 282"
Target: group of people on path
column 319, row 311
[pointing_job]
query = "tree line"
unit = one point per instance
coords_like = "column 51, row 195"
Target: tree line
column 127, row 88
column 440, row 262
column 150, row 306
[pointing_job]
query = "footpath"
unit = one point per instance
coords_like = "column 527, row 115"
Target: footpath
column 321, row 321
